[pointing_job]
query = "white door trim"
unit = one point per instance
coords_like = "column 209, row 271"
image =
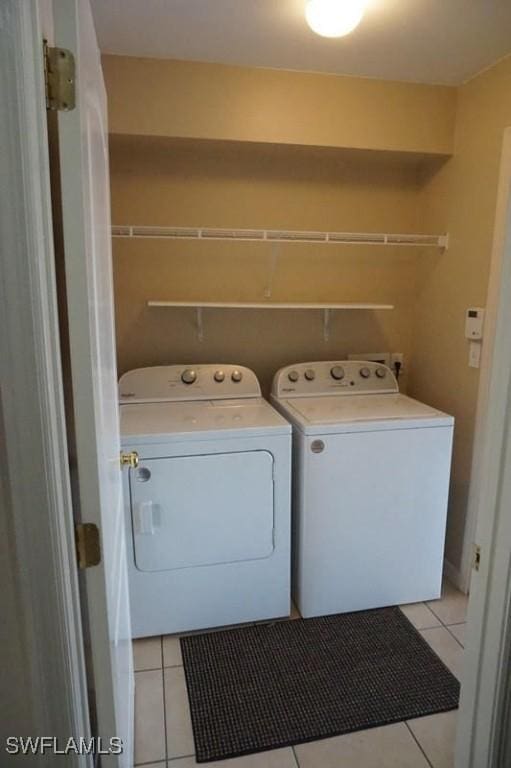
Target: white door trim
column 485, row 681
column 35, row 482
column 486, row 360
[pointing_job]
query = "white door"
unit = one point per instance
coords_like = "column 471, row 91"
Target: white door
column 83, row 146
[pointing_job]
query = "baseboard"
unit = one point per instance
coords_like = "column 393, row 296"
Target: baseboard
column 453, row 575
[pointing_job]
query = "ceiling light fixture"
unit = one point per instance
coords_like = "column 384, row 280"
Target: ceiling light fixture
column 334, row 18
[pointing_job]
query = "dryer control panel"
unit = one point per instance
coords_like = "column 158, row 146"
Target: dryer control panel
column 342, row 377
column 164, row 383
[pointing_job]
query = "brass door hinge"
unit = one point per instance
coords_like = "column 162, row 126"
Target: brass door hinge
column 88, row 550
column 59, row 78
column 129, row 459
column 476, row 557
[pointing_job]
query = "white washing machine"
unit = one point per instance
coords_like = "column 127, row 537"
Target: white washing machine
column 208, row 507
column 371, row 480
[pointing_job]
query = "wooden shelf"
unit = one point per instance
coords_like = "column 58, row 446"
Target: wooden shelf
column 266, row 305
column 326, row 307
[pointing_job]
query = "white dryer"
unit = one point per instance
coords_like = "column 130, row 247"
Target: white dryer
column 371, row 480
column 208, row 506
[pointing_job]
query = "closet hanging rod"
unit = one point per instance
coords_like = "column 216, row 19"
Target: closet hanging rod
column 282, row 236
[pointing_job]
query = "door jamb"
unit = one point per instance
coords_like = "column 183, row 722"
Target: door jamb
column 485, row 683
column 496, row 265
column 37, row 488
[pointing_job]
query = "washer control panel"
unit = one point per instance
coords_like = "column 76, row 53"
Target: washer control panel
column 187, row 382
column 344, row 377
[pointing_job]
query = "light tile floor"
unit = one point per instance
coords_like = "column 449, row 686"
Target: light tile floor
column 163, row 732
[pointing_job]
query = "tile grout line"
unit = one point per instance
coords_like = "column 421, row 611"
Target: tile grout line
column 452, row 623
column 422, row 629
column 295, row 756
column 429, row 608
column 454, row 636
column 419, row 745
column 437, row 617
column 446, row 626
column 164, row 704
column 147, row 669
column 427, row 604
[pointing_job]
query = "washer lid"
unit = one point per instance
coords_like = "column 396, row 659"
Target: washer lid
column 200, row 420
column 316, row 415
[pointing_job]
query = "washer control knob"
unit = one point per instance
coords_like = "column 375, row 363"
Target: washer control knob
column 365, row 373
column 236, row 375
column 293, row 376
column 310, row 374
column 337, row 372
column 219, row 376
column 189, row 376
column 381, row 372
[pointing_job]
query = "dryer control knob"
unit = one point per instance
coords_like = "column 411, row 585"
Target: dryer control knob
column 381, row 372
column 236, row 375
column 337, row 372
column 310, row 374
column 219, row 376
column 189, row 376
column 365, row 373
column 293, row 376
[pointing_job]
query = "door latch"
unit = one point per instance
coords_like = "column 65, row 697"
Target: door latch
column 129, row 459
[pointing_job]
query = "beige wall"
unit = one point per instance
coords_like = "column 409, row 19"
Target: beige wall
column 165, row 176
column 179, row 99
column 190, row 183
column 461, row 198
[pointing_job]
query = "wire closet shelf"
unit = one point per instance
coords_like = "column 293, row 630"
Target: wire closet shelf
column 282, row 236
column 276, row 236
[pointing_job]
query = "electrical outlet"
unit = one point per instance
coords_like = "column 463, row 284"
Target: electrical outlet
column 397, row 357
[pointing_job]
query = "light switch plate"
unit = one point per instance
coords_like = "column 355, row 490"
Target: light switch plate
column 474, row 354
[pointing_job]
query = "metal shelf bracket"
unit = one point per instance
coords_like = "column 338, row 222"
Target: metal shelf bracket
column 327, row 317
column 200, row 325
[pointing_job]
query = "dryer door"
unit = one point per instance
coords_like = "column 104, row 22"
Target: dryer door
column 202, row 510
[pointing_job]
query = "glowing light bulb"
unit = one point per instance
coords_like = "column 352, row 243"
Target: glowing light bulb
column 334, row 18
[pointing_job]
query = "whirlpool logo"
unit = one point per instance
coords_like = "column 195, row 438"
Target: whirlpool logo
column 43, row 745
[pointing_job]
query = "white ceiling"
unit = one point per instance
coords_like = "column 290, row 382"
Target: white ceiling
column 429, row 41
